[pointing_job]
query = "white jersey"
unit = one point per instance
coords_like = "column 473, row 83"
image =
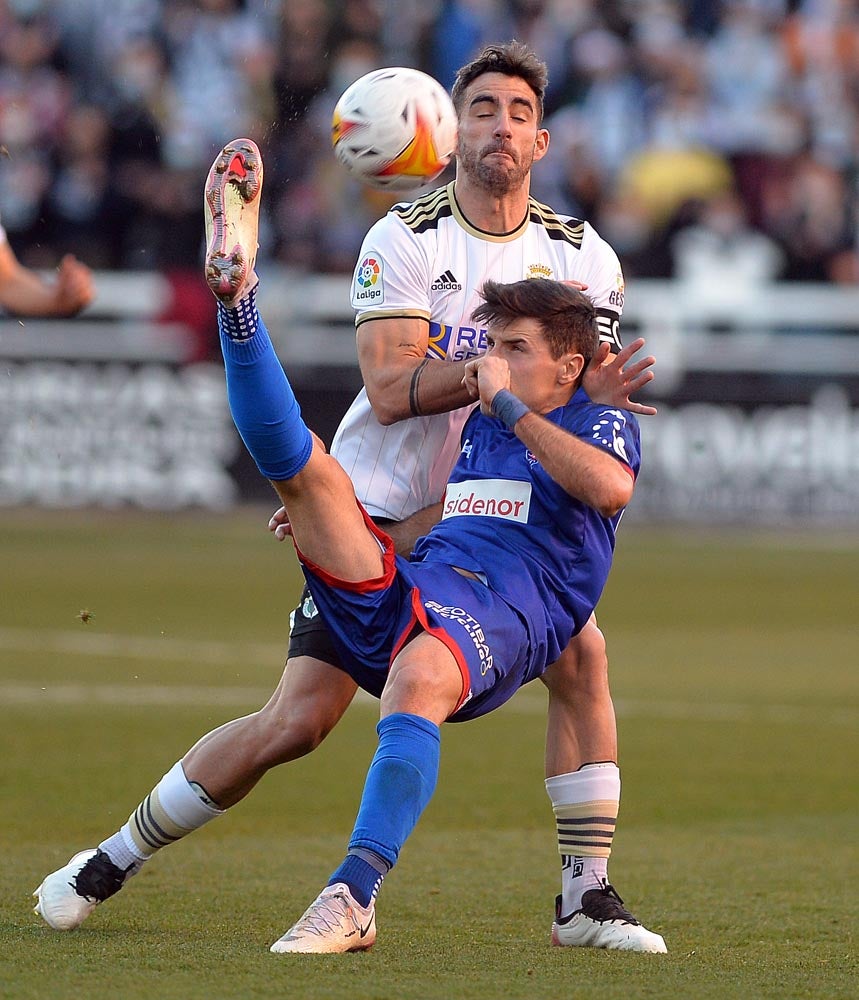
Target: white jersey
column 425, row 260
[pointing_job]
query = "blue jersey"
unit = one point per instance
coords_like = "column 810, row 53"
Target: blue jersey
column 545, row 553
column 544, row 558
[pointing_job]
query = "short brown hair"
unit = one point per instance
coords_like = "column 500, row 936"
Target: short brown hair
column 567, row 316
column 512, row 59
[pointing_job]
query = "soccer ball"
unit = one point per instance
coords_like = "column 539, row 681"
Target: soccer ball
column 394, row 129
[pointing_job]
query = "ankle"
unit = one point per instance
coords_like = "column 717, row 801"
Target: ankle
column 578, row 875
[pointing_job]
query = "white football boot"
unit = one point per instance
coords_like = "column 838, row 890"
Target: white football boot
column 232, row 200
column 333, row 923
column 603, row 922
column 68, row 896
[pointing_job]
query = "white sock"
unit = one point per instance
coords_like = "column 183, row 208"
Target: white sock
column 171, row 810
column 585, row 803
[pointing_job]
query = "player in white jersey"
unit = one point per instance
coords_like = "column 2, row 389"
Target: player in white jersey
column 415, row 286
column 424, row 261
column 24, row 293
column 412, row 374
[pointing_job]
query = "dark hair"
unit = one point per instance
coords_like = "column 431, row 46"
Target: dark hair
column 566, row 315
column 512, row 59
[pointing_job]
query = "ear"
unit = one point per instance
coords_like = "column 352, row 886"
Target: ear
column 570, row 368
column 541, row 144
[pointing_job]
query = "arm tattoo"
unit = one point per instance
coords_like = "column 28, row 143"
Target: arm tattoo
column 414, row 406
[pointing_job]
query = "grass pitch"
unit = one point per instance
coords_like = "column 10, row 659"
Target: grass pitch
column 734, row 666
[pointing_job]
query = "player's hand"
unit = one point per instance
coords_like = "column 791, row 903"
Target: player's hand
column 580, row 285
column 484, row 376
column 469, row 378
column 279, row 524
column 613, row 380
column 75, row 288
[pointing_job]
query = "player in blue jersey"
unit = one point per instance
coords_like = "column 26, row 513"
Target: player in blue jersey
column 492, row 594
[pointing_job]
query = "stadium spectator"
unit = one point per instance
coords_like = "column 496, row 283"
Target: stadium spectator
column 754, row 83
column 720, row 249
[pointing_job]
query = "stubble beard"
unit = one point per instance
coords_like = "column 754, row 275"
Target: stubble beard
column 494, row 178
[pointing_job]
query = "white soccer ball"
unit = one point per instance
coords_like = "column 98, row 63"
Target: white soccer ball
column 394, row 128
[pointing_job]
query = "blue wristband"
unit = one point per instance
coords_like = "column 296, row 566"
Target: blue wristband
column 508, row 408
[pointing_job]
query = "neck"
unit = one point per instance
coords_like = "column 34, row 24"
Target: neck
column 552, row 399
column 489, row 212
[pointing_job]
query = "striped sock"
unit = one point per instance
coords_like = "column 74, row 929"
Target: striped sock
column 171, row 810
column 586, row 804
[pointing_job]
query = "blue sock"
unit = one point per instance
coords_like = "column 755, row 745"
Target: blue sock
column 240, row 322
column 264, row 408
column 400, row 783
column 362, row 876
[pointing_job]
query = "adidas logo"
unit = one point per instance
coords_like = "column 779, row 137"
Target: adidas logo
column 446, row 283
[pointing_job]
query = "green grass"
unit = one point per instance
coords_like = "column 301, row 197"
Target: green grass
column 734, row 672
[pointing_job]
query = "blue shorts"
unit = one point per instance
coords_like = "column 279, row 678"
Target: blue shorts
column 371, row 621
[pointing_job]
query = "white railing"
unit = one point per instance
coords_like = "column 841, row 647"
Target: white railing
column 780, row 328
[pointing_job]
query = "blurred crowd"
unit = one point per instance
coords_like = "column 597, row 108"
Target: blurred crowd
column 699, row 137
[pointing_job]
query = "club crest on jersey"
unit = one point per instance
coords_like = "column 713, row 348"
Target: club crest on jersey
column 616, row 297
column 308, row 608
column 607, row 430
column 368, row 286
column 539, row 271
column 508, row 499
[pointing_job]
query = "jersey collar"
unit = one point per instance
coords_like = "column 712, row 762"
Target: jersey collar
column 482, row 234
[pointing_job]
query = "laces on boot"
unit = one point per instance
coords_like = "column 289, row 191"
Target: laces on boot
column 99, row 878
column 605, row 904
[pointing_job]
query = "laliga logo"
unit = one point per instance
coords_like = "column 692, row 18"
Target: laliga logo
column 368, row 288
column 368, row 272
column 339, row 128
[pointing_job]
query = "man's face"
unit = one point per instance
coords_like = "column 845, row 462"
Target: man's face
column 499, row 137
column 535, row 376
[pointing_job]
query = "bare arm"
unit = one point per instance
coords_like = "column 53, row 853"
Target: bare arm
column 406, row 533
column 25, row 293
column 584, row 471
column 401, row 381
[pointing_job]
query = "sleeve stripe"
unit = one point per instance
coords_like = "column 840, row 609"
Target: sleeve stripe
column 608, row 325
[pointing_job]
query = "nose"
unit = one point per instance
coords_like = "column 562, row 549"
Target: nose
column 502, row 126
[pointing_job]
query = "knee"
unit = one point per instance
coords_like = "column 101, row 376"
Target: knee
column 590, row 656
column 430, row 689
column 583, row 666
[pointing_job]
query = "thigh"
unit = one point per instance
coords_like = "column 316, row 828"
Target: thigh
column 312, row 690
column 363, row 621
column 489, row 639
